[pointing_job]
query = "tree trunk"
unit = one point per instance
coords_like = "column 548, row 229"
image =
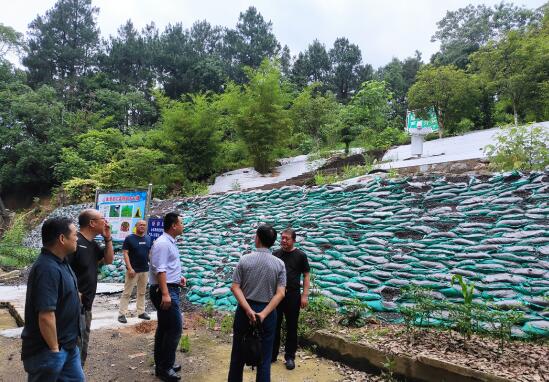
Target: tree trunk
column 440, row 122
column 515, row 114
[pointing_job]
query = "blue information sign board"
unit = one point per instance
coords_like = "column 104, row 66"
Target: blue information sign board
column 123, row 210
column 155, row 228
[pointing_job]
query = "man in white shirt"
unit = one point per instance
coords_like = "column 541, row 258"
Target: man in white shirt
column 165, row 280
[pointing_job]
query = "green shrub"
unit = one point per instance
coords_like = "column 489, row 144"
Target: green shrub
column 79, row 190
column 195, row 189
column 184, row 344
column 317, row 316
column 227, row 324
column 355, row 312
column 467, row 317
column 384, row 139
column 321, row 179
column 12, row 251
column 355, row 171
column 209, row 309
column 520, row 148
column 464, row 126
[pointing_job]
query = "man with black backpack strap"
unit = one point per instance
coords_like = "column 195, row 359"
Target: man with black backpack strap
column 259, row 283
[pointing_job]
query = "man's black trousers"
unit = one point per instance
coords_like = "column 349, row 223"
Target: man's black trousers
column 289, row 309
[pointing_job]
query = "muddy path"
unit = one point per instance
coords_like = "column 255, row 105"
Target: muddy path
column 125, row 354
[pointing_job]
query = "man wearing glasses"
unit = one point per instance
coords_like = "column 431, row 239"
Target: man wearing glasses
column 85, row 262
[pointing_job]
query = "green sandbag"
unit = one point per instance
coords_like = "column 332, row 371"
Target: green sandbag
column 536, row 330
column 378, row 306
column 339, row 291
column 364, row 296
column 347, row 272
column 334, row 279
column 223, row 302
column 333, row 253
column 450, row 292
column 206, row 300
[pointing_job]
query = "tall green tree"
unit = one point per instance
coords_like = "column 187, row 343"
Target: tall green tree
column 449, row 90
column 63, row 46
column 124, row 111
column 250, row 42
column 10, row 41
column 370, row 106
column 467, row 29
column 129, row 59
column 191, row 61
column 32, row 134
column 285, row 61
column 515, row 67
column 399, row 77
column 368, row 111
column 312, row 65
column 346, row 61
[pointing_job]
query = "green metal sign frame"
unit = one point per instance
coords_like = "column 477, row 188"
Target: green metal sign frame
column 415, row 125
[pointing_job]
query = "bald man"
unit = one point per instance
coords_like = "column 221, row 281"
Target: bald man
column 136, row 249
column 85, row 263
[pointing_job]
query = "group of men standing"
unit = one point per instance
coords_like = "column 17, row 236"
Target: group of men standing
column 62, row 285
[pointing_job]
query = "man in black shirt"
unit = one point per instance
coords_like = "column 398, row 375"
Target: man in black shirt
column 296, row 264
column 85, row 262
column 136, row 250
column 52, row 309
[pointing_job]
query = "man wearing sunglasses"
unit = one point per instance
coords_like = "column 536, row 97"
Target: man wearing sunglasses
column 85, row 262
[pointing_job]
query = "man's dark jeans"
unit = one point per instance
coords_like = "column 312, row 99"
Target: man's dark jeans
column 48, row 366
column 289, row 309
column 169, row 328
column 240, row 327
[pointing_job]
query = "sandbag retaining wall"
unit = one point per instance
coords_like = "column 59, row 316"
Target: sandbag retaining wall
column 368, row 240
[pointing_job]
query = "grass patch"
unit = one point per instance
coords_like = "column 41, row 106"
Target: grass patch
column 12, row 251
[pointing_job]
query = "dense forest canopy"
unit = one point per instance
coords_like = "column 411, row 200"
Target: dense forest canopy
column 176, row 106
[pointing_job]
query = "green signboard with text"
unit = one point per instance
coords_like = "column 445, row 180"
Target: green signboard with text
column 416, row 125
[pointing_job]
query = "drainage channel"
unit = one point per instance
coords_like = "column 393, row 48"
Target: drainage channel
column 9, row 318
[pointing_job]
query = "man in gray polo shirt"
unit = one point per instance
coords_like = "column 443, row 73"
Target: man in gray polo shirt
column 259, row 283
column 165, row 280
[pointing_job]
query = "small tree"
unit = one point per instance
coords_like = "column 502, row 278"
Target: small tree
column 311, row 111
column 189, row 135
column 520, row 148
column 262, row 118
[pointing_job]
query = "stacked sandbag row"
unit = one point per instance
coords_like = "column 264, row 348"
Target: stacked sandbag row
column 368, row 240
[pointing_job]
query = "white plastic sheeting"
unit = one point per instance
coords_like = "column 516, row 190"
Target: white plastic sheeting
column 451, row 149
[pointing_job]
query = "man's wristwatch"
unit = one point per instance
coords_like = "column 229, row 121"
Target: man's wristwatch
column 107, row 240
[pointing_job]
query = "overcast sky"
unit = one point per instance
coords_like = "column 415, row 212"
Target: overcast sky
column 382, row 29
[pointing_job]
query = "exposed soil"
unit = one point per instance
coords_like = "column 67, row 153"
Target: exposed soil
column 339, row 162
column 407, row 234
column 126, row 355
column 6, row 319
column 333, row 166
column 521, row 361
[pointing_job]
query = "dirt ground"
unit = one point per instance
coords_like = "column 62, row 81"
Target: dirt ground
column 521, row 361
column 126, row 355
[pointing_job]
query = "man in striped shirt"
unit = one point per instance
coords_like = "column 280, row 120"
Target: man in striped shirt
column 259, row 283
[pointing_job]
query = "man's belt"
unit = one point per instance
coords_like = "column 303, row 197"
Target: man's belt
column 169, row 285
